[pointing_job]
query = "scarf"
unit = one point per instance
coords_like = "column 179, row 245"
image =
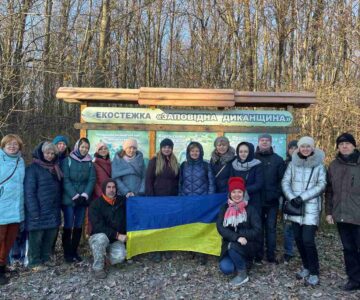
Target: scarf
column 75, row 154
column 223, row 159
column 53, row 168
column 109, row 200
column 245, row 166
column 351, row 158
column 235, row 213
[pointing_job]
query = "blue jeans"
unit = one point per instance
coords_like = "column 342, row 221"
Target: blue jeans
column 288, row 239
column 269, row 219
column 231, row 262
column 73, row 216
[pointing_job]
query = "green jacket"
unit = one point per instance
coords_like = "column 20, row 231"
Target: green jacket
column 342, row 196
column 79, row 177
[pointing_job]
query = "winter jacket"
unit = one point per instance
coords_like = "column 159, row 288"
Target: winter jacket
column 103, row 171
column 12, row 191
column 274, row 168
column 164, row 184
column 196, row 176
column 251, row 170
column 79, row 177
column 42, row 196
column 107, row 218
column 221, row 167
column 129, row 175
column 342, row 197
column 251, row 230
column 295, row 181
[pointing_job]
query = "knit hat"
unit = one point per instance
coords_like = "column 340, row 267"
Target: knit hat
column 293, row 143
column 130, row 143
column 104, row 184
column 345, row 137
column 236, row 183
column 99, row 145
column 167, row 142
column 61, row 138
column 265, row 136
column 221, row 140
column 306, row 140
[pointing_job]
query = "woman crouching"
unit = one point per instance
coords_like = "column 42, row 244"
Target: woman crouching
column 240, row 228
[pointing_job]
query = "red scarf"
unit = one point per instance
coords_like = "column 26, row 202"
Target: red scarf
column 235, row 213
column 53, row 168
column 109, row 200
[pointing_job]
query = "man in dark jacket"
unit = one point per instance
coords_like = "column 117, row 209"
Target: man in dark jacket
column 342, row 198
column 107, row 217
column 274, row 168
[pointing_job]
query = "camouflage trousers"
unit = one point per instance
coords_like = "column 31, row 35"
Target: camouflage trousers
column 101, row 247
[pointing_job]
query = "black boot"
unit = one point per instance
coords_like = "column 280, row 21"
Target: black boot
column 3, row 279
column 76, row 237
column 66, row 243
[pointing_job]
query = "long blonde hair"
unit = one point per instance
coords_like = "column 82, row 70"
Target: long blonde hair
column 161, row 163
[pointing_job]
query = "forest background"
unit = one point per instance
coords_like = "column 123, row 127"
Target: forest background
column 265, row 45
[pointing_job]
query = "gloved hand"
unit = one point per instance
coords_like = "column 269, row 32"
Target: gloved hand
column 296, row 202
column 80, row 201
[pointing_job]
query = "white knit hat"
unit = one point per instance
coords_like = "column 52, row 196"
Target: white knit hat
column 306, row 140
column 130, row 143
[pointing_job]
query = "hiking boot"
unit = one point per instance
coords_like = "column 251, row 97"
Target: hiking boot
column 312, row 280
column 99, row 274
column 240, row 278
column 302, row 274
column 351, row 285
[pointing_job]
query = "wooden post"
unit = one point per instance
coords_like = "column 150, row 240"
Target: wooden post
column 152, row 143
column 290, row 136
column 83, row 132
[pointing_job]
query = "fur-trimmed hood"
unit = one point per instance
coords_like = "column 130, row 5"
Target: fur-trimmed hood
column 311, row 161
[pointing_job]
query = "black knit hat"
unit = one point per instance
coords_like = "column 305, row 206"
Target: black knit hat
column 345, row 137
column 104, row 184
column 292, row 143
column 167, row 142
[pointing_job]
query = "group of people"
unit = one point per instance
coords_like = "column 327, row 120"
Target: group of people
column 256, row 181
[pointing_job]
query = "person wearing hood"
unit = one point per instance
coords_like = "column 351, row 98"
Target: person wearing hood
column 79, row 182
column 12, row 173
column 239, row 225
column 220, row 162
column 245, row 165
column 196, row 176
column 62, row 144
column 342, row 203
column 274, row 168
column 102, row 164
column 288, row 232
column 42, row 188
column 108, row 234
column 303, row 183
column 128, row 170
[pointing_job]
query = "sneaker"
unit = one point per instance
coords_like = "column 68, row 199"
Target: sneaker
column 351, row 286
column 312, row 280
column 99, row 274
column 287, row 258
column 303, row 273
column 240, row 279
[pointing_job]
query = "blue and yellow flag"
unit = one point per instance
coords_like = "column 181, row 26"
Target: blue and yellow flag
column 186, row 223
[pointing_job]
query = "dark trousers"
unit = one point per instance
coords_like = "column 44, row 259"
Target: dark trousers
column 8, row 234
column 40, row 245
column 269, row 219
column 350, row 238
column 232, row 262
column 305, row 241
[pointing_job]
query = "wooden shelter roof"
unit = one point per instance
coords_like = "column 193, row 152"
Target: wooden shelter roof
column 221, row 98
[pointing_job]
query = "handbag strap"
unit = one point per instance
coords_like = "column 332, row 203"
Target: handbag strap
column 312, row 171
column 218, row 173
column 12, row 173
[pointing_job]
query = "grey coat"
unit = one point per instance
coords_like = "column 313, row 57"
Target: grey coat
column 129, row 175
column 294, row 184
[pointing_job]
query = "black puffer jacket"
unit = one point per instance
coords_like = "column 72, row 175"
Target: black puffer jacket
column 42, row 196
column 274, row 169
column 221, row 166
column 196, row 176
column 251, row 230
column 108, row 219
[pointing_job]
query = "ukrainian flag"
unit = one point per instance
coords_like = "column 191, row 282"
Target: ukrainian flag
column 186, row 223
